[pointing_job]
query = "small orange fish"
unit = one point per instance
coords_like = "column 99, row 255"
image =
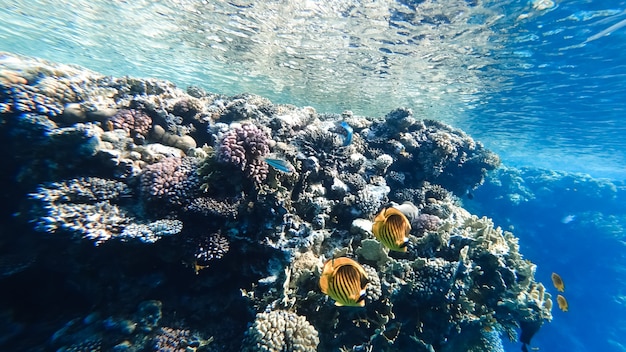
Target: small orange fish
column 562, row 303
column 344, row 280
column 558, row 282
column 391, row 227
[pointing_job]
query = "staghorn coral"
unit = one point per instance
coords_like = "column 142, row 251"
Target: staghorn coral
column 244, row 147
column 173, row 181
column 280, row 330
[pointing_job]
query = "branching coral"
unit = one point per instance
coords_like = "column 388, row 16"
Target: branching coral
column 244, row 147
column 208, row 248
column 82, row 207
column 89, row 208
column 206, row 206
column 135, row 122
column 281, row 330
column 173, row 181
column 326, row 146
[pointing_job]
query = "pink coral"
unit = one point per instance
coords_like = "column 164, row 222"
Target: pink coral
column 136, row 122
column 244, row 147
column 173, row 180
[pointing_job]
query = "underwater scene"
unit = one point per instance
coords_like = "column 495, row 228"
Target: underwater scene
column 345, row 175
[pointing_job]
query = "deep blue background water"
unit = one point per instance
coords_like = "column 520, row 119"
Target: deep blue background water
column 572, row 225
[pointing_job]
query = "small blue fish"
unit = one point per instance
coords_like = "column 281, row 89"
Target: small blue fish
column 349, row 132
column 280, row 165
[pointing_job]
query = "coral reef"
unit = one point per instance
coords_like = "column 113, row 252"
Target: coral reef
column 244, row 147
column 177, row 340
column 186, row 234
column 173, row 181
column 135, row 122
column 209, row 248
column 281, row 330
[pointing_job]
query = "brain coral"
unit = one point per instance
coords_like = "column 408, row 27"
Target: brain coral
column 280, row 330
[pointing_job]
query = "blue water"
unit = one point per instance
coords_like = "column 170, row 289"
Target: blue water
column 542, row 88
column 572, row 225
column 563, row 107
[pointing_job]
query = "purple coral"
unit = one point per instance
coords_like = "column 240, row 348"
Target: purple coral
column 136, row 122
column 173, row 180
column 426, row 222
column 244, row 147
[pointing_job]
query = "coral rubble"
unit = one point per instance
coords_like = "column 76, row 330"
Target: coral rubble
column 182, row 178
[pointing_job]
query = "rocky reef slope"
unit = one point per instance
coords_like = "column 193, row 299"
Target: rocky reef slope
column 191, row 220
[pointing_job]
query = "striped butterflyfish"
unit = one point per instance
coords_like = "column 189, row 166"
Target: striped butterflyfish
column 391, row 227
column 344, row 280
